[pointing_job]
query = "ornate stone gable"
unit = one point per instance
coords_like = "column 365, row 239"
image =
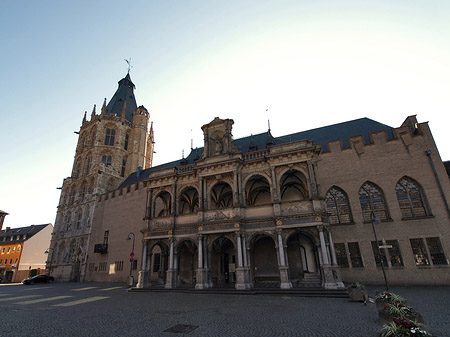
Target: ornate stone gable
column 218, row 138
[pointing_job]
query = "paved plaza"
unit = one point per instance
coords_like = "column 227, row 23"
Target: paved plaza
column 97, row 309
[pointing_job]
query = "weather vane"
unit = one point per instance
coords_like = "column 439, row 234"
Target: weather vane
column 129, row 64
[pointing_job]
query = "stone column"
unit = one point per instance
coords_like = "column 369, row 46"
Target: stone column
column 332, row 251
column 171, row 281
column 144, row 274
column 282, row 266
column 331, row 273
column 242, row 270
column 202, row 272
column 323, row 247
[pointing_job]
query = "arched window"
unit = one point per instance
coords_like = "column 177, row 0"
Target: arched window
column 163, row 204
column 127, row 139
column 221, row 196
column 109, row 138
column 410, row 198
column 189, row 201
column 107, row 160
column 257, row 191
column 293, row 186
column 371, row 198
column 338, row 205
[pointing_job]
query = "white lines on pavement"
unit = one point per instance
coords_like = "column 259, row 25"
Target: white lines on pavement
column 4, row 295
column 37, row 288
column 40, row 300
column 113, row 288
column 85, row 300
column 18, row 298
column 87, row 288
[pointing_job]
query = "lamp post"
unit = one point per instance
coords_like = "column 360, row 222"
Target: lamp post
column 373, row 221
column 131, row 256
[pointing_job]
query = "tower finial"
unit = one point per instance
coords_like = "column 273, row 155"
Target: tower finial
column 129, row 64
column 104, row 107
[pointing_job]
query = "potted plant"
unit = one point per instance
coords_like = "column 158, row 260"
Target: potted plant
column 381, row 300
column 395, row 310
column 357, row 292
column 403, row 327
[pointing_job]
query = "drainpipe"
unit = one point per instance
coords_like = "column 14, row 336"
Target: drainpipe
column 428, row 153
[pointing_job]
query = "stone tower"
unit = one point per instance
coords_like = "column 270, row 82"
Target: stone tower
column 110, row 146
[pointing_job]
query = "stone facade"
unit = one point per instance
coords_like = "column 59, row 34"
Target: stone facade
column 300, row 210
column 110, row 146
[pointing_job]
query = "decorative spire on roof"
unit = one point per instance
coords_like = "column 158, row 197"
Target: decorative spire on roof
column 104, row 107
column 84, row 118
column 93, row 113
column 124, row 93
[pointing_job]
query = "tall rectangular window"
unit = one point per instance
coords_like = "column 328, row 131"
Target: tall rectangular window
column 109, row 137
column 436, row 251
column 376, row 254
column 156, row 262
column 420, row 252
column 106, row 238
column 341, row 255
column 355, row 255
column 395, row 256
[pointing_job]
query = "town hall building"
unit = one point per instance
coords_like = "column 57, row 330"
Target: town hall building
column 317, row 208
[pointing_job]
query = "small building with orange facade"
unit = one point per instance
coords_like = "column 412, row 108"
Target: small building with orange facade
column 23, row 249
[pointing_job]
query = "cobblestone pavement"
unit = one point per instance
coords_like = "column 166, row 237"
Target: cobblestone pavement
column 94, row 309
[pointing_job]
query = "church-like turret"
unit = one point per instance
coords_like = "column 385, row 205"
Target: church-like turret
column 110, row 146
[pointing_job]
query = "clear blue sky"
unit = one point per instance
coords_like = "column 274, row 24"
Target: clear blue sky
column 310, row 63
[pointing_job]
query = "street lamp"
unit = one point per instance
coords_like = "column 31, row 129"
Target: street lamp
column 131, row 256
column 375, row 220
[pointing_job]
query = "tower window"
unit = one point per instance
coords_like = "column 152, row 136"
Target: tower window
column 127, row 139
column 107, row 160
column 124, row 165
column 110, row 135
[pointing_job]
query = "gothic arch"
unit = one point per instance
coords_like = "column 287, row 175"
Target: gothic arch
column 162, row 206
column 293, row 186
column 411, row 198
column 221, row 195
column 371, row 198
column 188, row 201
column 257, row 190
column 338, row 205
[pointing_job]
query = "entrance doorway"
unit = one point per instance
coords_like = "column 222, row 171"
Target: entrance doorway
column 265, row 261
column 223, row 263
column 187, row 263
column 302, row 258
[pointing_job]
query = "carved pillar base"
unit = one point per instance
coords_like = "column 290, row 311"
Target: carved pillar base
column 143, row 279
column 332, row 277
column 171, row 279
column 284, row 277
column 202, row 279
column 243, row 279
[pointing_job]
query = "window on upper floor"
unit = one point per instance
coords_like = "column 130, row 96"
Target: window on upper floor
column 107, row 160
column 410, row 199
column 338, row 205
column 106, row 237
column 19, row 248
column 127, row 139
column 371, row 198
column 124, row 165
column 9, row 249
column 109, row 137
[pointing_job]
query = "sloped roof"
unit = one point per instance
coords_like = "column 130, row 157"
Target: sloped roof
column 29, row 231
column 322, row 135
column 125, row 92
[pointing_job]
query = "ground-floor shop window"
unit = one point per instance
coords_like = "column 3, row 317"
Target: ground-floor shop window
column 341, row 255
column 352, row 259
column 118, row 266
column 102, row 266
column 355, row 255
